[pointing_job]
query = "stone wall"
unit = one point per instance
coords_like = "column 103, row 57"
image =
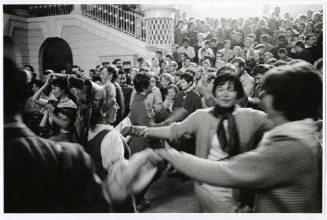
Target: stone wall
column 91, row 42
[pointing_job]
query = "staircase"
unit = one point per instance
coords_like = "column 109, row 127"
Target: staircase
column 113, row 16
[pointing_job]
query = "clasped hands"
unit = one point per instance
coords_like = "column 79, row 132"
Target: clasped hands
column 156, row 156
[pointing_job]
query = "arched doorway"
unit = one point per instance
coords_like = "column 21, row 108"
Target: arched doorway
column 55, row 54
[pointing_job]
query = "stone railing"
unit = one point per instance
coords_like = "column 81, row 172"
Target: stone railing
column 49, row 10
column 112, row 15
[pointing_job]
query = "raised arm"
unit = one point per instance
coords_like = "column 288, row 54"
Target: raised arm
column 36, row 97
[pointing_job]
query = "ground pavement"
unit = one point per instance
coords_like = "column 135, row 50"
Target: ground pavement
column 170, row 195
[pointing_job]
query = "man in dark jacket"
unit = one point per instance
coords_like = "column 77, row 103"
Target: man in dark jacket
column 41, row 176
column 302, row 53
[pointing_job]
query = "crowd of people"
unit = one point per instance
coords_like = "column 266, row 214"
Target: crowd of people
column 236, row 106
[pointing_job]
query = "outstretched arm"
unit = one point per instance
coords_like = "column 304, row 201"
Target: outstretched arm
column 260, row 168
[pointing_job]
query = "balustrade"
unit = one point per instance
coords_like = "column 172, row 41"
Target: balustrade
column 112, row 15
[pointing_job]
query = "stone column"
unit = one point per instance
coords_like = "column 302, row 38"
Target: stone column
column 77, row 9
column 159, row 26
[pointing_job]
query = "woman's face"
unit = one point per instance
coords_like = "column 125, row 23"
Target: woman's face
column 256, row 56
column 112, row 111
column 57, row 92
column 164, row 82
column 171, row 94
column 184, row 84
column 225, row 94
column 105, row 76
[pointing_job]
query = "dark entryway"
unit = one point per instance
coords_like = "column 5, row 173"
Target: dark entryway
column 55, row 54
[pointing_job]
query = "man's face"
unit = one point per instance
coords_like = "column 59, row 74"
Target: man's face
column 288, row 33
column 311, row 41
column 163, row 65
column 281, row 40
column 119, row 64
column 159, row 55
column 281, row 55
column 121, row 79
column 309, row 27
column 309, row 13
column 256, row 56
column 183, row 57
column 187, row 62
column 228, row 45
column 301, row 27
column 239, row 70
column 247, row 43
column 105, row 76
column 185, row 44
column 238, row 37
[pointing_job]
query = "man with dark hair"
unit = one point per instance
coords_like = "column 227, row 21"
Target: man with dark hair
column 42, row 176
column 238, row 40
column 192, row 33
column 76, row 70
column 264, row 40
column 169, row 58
column 140, row 60
column 302, row 53
column 289, row 35
column 127, row 91
column 282, row 54
column 178, row 33
column 282, row 43
column 246, row 80
column 118, row 63
column 216, row 45
column 186, row 48
column 190, row 101
column 186, row 64
column 159, row 55
column 301, row 28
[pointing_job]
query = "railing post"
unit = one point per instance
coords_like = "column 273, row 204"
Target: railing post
column 159, row 25
column 77, row 9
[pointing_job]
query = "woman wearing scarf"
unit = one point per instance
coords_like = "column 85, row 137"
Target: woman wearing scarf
column 220, row 133
column 60, row 109
column 284, row 169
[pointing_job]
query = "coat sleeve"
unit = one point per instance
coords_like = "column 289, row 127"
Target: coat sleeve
column 261, row 168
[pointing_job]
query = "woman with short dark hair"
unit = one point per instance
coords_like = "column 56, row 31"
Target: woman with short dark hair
column 220, row 133
column 61, row 110
column 284, row 169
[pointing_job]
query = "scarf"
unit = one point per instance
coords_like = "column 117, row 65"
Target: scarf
column 230, row 145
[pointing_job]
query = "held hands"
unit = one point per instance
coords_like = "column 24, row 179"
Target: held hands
column 167, row 153
column 135, row 131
